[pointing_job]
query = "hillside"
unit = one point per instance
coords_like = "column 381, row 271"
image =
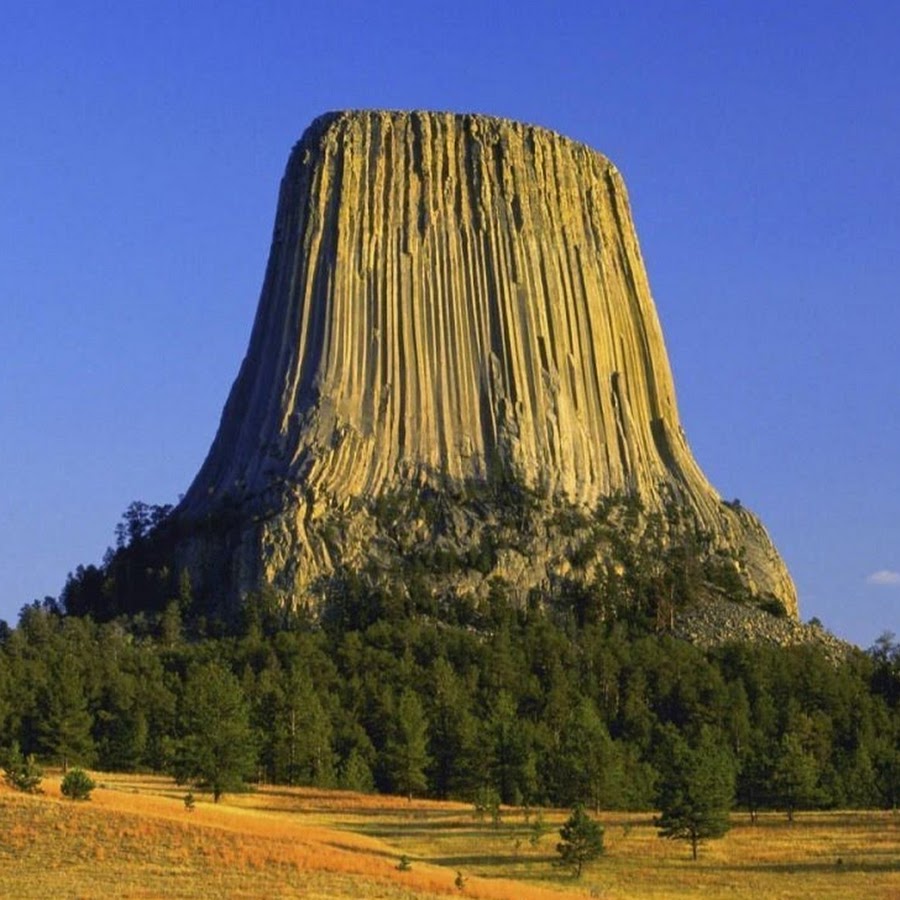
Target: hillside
column 135, row 839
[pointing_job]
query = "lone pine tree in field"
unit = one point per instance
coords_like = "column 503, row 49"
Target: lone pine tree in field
column 582, row 841
column 217, row 747
column 696, row 791
column 77, row 785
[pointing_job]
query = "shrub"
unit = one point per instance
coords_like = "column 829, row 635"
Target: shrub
column 774, row 607
column 582, row 841
column 22, row 772
column 77, row 785
column 487, row 802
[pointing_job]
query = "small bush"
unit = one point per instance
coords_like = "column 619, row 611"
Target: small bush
column 487, row 802
column 22, row 772
column 774, row 607
column 77, row 785
column 538, row 829
column 582, row 841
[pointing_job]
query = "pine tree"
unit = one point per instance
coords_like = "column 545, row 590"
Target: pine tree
column 5, row 693
column 511, row 764
column 120, row 727
column 795, row 777
column 77, row 785
column 65, row 728
column 22, row 772
column 302, row 734
column 356, row 775
column 696, row 790
column 217, row 747
column 754, row 774
column 589, row 766
column 582, row 841
column 406, row 752
column 452, row 734
column 886, row 761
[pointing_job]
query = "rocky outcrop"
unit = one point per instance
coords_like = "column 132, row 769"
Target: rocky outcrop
column 450, row 299
column 711, row 623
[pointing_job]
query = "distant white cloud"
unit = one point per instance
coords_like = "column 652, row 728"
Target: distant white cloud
column 884, row 577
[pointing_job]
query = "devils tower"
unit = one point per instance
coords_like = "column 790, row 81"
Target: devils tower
column 451, row 302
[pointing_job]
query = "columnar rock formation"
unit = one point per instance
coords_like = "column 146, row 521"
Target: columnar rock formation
column 448, row 297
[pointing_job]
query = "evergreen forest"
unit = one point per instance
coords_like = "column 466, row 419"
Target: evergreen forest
column 533, row 703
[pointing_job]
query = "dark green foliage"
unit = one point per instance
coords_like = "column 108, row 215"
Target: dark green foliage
column 356, row 775
column 589, row 767
column 135, row 577
column 290, row 713
column 508, row 752
column 795, row 775
column 22, row 772
column 452, row 734
column 77, row 785
column 406, row 753
column 487, row 803
column 582, row 841
column 217, row 748
column 535, row 711
column 886, row 763
column 754, row 775
column 65, row 729
column 696, row 789
column 773, row 606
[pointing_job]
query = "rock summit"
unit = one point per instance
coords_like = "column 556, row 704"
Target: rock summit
column 451, row 301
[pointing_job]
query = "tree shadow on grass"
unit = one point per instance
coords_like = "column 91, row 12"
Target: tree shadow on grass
column 434, row 830
column 468, row 861
column 531, row 869
column 838, row 866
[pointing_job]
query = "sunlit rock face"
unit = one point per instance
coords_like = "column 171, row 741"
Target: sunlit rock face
column 448, row 298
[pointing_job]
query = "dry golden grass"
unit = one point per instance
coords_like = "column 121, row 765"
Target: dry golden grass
column 135, row 839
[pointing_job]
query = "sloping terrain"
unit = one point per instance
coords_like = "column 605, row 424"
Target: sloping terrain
column 135, row 839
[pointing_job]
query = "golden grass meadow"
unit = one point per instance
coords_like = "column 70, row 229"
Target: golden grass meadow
column 136, row 839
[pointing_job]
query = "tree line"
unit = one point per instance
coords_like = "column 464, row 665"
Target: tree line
column 531, row 707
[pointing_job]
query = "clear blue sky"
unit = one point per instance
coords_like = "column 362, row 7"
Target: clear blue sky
column 140, row 154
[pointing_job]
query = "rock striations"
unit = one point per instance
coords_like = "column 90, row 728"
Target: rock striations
column 449, row 299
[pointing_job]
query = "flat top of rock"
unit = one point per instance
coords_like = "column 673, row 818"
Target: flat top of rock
column 334, row 119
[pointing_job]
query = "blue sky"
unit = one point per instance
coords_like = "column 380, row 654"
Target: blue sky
column 139, row 164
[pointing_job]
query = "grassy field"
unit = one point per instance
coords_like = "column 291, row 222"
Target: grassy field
column 136, row 839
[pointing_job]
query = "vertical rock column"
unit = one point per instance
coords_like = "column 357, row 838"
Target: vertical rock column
column 451, row 297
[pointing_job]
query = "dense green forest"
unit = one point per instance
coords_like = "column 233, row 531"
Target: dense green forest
column 537, row 704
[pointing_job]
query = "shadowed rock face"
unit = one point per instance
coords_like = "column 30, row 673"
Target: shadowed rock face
column 448, row 298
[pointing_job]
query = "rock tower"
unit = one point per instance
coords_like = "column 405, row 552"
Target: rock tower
column 449, row 299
